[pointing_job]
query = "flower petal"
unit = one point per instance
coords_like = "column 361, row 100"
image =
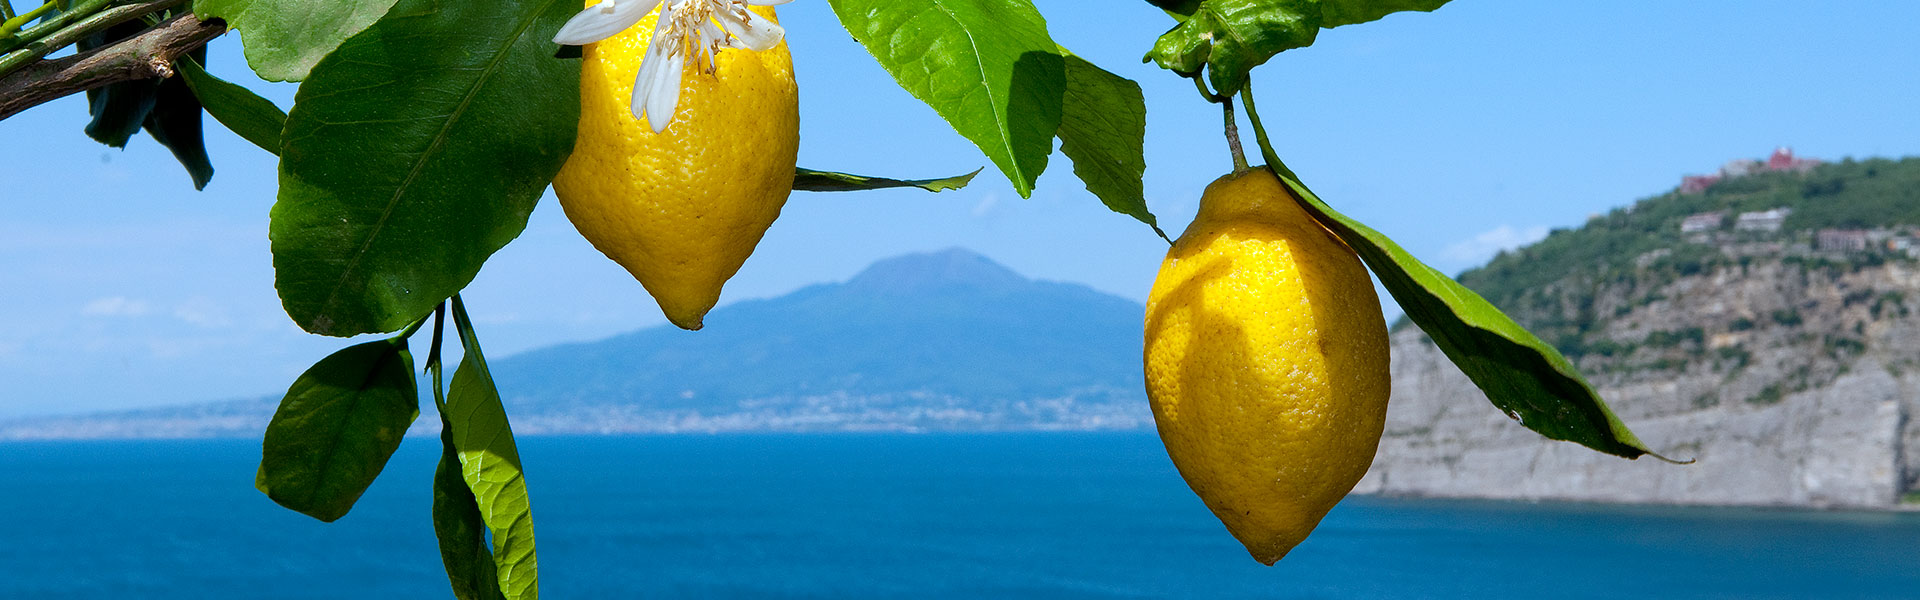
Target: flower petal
column 654, row 73
column 755, row 32
column 665, row 95
column 602, row 21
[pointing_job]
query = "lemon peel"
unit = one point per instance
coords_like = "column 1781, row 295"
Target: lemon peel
column 1266, row 363
column 682, row 198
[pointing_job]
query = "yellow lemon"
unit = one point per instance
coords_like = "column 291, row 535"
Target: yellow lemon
column 682, row 208
column 1266, row 363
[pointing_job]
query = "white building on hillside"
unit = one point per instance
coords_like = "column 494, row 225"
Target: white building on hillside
column 1766, row 220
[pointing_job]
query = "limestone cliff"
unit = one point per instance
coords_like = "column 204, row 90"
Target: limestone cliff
column 1784, row 360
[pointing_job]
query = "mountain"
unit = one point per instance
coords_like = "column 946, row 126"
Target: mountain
column 1764, row 325
column 939, row 341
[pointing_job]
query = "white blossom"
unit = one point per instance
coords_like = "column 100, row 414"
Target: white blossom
column 687, row 29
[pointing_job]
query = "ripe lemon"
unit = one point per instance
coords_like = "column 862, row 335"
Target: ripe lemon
column 682, row 209
column 1266, row 363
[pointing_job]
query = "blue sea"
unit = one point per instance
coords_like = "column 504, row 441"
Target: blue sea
column 891, row 516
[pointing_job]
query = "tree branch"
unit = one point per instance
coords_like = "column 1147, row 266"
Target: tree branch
column 147, row 55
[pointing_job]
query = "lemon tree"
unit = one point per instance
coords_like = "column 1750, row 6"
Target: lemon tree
column 424, row 132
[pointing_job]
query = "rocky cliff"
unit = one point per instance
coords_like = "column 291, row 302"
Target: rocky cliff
column 1787, row 365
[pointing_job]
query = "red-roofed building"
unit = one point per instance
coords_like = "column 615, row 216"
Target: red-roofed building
column 1694, row 184
column 1784, row 160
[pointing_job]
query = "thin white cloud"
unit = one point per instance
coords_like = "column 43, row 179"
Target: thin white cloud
column 986, row 205
column 115, row 306
column 203, row 312
column 1479, row 248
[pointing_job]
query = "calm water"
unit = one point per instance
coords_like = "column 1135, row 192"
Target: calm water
column 1046, row 515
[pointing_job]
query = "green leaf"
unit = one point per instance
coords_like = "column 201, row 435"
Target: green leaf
column 1336, row 13
column 254, row 118
column 457, row 523
column 461, row 530
column 986, row 66
column 1228, row 38
column 118, row 109
column 1524, row 377
column 166, row 108
column 284, row 39
column 490, row 464
column 1103, row 128
column 809, row 180
column 413, row 153
column 1178, row 8
column 175, row 123
column 336, row 428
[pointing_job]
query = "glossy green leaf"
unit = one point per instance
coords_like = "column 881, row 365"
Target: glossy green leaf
column 413, row 153
column 1228, row 38
column 254, row 118
column 1103, row 128
column 457, row 523
column 490, row 464
column 986, row 66
column 284, row 39
column 461, row 530
column 336, row 428
column 809, row 180
column 1523, row 376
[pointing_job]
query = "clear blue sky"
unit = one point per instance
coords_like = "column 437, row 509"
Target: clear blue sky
column 1457, row 132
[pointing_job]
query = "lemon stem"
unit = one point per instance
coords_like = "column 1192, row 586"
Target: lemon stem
column 433, row 355
column 1233, row 138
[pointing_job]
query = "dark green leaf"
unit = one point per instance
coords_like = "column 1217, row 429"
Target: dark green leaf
column 1103, row 128
column 175, row 123
column 809, row 180
column 1524, row 377
column 336, row 428
column 413, row 153
column 118, row 109
column 461, row 529
column 490, row 464
column 284, row 39
column 1177, row 8
column 254, row 118
column 987, row 66
column 1336, row 13
column 1228, row 38
column 166, row 108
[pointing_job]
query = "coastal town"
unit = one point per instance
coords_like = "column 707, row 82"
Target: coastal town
column 1747, row 227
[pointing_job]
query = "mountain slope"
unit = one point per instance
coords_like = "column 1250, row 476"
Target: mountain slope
column 948, row 332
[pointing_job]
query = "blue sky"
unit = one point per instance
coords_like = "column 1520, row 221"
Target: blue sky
column 1460, row 132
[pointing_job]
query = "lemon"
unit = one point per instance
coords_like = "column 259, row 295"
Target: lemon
column 1266, row 363
column 682, row 209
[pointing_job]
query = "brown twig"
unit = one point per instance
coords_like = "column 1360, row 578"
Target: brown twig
column 61, row 32
column 149, row 54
